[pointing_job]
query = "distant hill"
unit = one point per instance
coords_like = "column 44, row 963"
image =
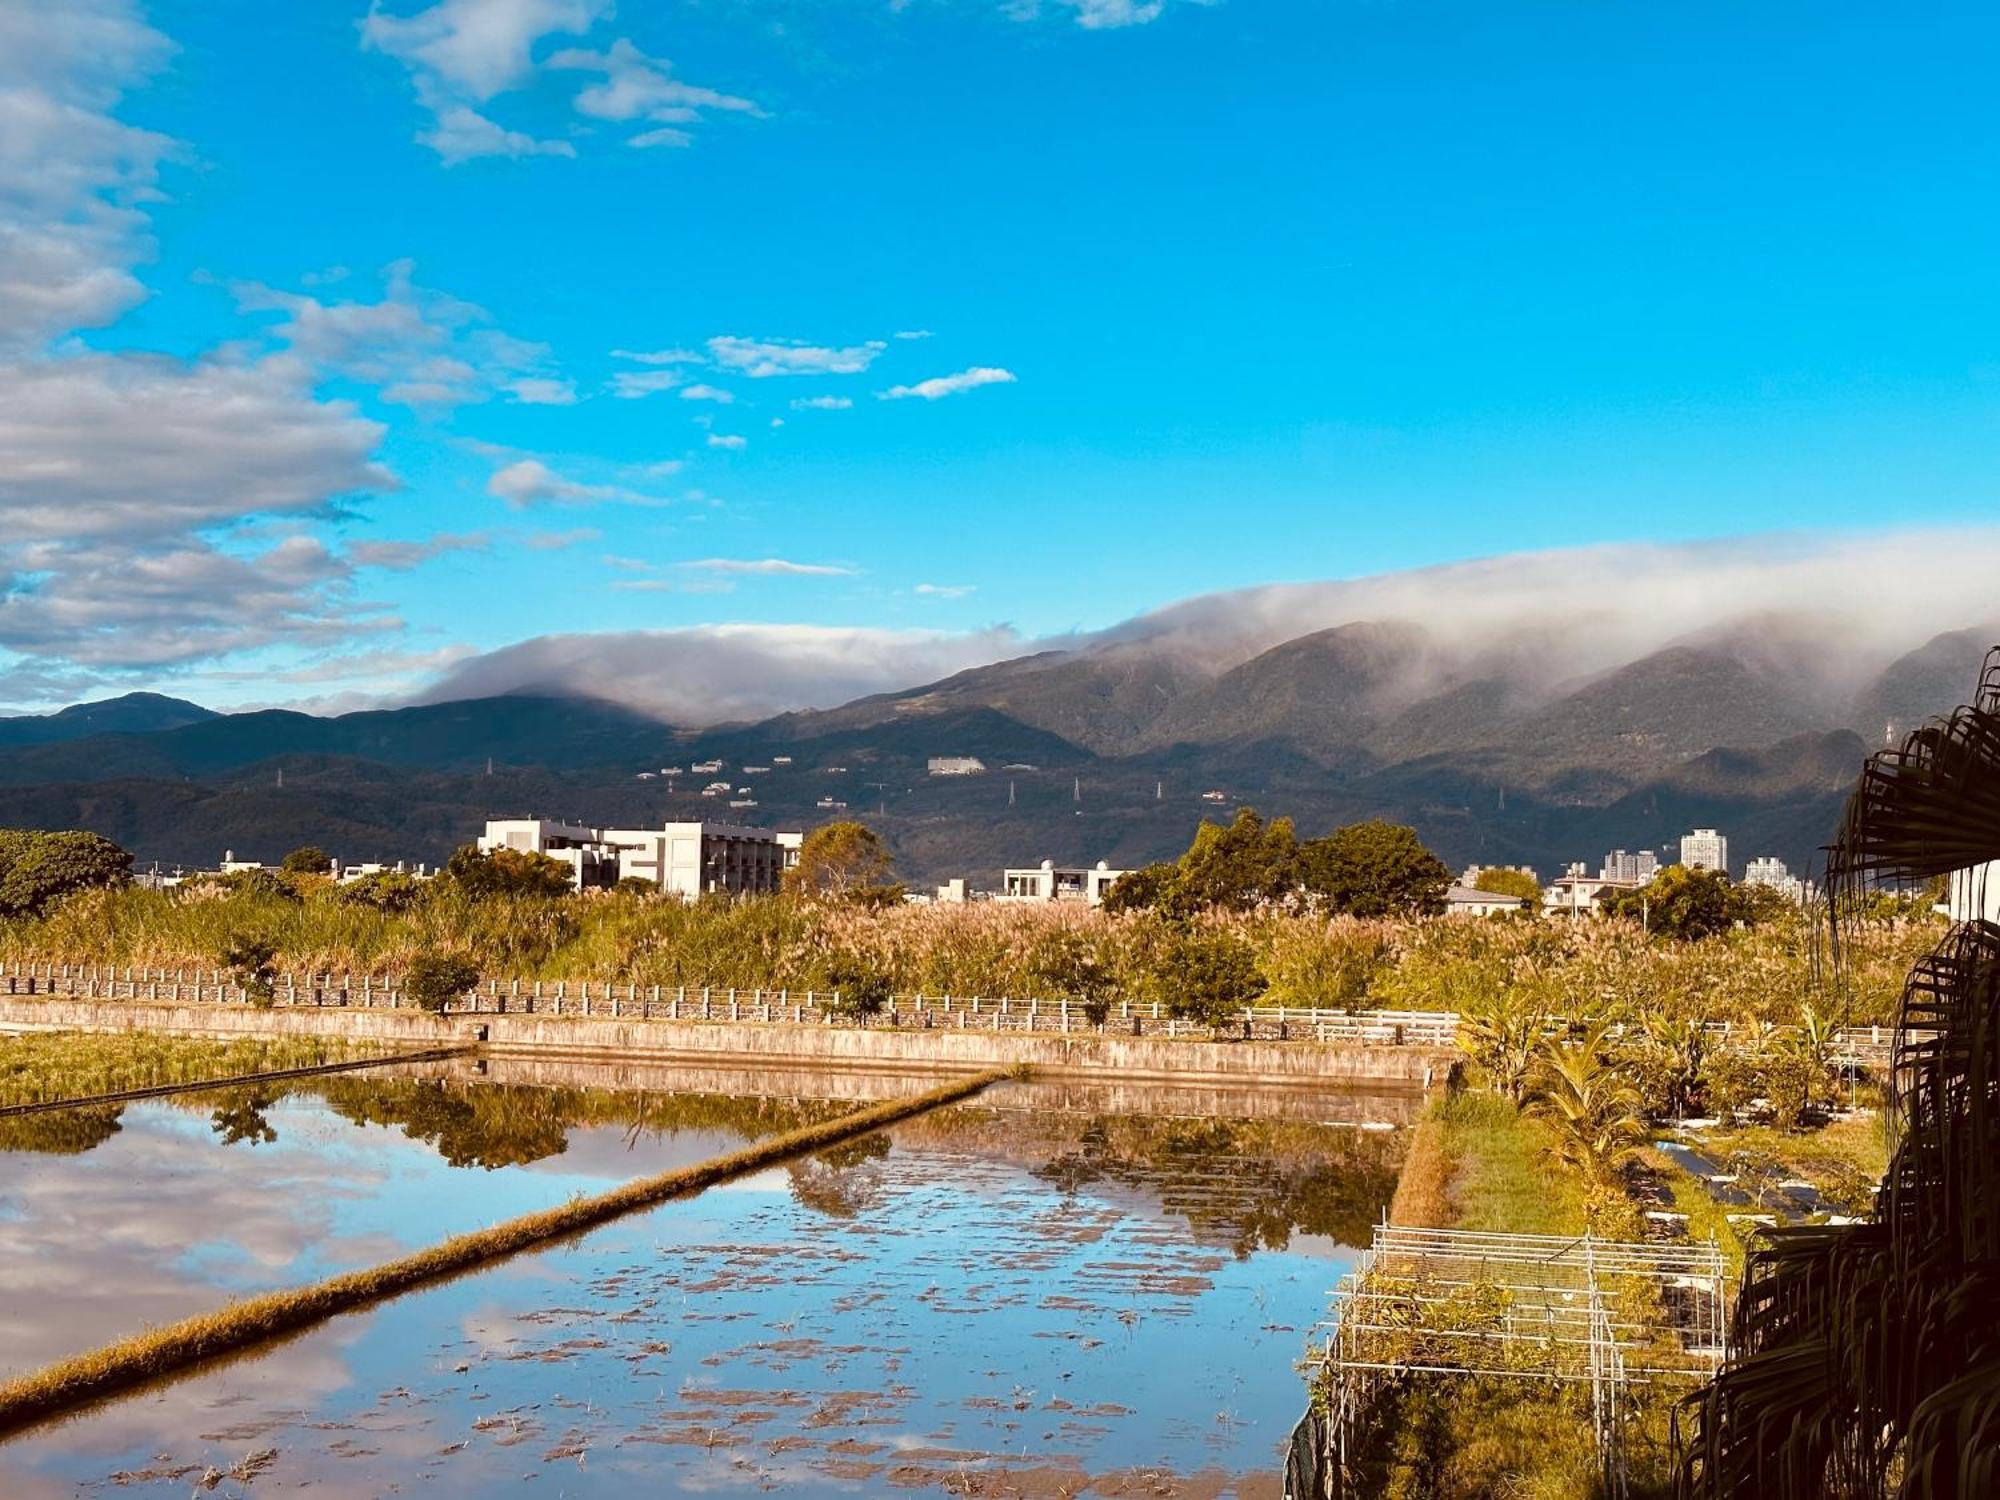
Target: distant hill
column 1100, row 753
column 134, row 713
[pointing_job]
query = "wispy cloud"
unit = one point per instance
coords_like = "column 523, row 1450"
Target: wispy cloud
column 709, row 393
column 728, row 440
column 399, row 556
column 822, row 403
column 768, row 567
column 949, row 385
column 944, row 590
column 632, row 385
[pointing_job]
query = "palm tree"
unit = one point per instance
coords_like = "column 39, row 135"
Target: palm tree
column 1502, row 1037
column 1590, row 1105
column 1866, row 1358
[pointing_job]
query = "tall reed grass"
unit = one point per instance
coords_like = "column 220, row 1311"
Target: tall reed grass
column 1600, row 967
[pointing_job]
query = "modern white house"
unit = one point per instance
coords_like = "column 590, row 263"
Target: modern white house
column 1049, row 881
column 1577, row 892
column 688, row 859
column 1470, row 901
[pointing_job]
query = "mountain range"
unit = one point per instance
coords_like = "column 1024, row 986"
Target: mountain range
column 1110, row 751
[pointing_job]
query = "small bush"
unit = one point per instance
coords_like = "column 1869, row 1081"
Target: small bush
column 434, row 980
column 252, row 960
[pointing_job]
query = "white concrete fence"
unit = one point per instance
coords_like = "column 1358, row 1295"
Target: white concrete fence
column 1865, row 1045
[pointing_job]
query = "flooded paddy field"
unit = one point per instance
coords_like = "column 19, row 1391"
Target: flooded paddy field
column 1053, row 1290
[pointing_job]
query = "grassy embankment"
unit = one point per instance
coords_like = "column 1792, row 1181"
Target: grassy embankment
column 70, row 1383
column 40, row 1066
column 1477, row 1162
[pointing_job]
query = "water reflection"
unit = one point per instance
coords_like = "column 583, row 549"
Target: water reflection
column 989, row 1299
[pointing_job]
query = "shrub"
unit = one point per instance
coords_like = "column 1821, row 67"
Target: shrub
column 385, row 890
column 434, row 980
column 863, row 988
column 252, row 960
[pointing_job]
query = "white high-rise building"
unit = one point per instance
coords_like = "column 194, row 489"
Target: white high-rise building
column 1705, row 849
column 1631, row 869
column 1766, row 870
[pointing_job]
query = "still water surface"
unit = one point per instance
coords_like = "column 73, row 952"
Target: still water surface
column 1043, row 1293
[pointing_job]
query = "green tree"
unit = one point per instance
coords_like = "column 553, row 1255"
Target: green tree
column 508, row 872
column 433, row 980
column 1148, row 888
column 845, row 861
column 307, row 859
column 1679, row 902
column 1511, row 883
column 1069, row 965
column 38, row 869
column 384, row 890
column 1374, row 869
column 1249, row 864
column 1208, row 976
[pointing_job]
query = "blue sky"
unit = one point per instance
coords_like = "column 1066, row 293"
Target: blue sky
column 1220, row 294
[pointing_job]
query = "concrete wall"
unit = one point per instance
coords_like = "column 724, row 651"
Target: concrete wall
column 879, row 1049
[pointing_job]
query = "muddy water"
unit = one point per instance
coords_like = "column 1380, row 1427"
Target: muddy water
column 996, row 1299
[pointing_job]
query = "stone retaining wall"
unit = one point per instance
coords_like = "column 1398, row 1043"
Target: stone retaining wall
column 876, row 1048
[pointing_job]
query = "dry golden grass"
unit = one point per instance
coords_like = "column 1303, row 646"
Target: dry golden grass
column 84, row 1378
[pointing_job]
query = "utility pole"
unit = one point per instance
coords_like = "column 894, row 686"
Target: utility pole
column 883, row 788
column 1076, row 790
column 1010, row 792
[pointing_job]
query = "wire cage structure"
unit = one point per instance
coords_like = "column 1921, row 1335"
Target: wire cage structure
column 1446, row 1302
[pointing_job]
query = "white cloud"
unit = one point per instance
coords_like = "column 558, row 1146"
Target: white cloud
column 529, row 481
column 72, row 176
column 728, row 440
column 142, row 446
column 944, row 590
column 540, row 391
column 822, row 403
column 635, row 385
column 137, row 492
column 949, row 385
column 911, row 333
column 709, row 393
column 421, row 348
column 1105, row 15
column 638, row 87
column 462, row 54
column 760, row 358
column 768, row 567
column 711, row 673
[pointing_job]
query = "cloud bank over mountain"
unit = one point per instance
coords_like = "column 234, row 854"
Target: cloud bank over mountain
column 1834, row 611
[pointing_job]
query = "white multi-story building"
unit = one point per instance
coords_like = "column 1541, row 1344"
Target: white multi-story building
column 1636, row 868
column 955, row 765
column 688, row 859
column 591, row 861
column 1766, row 870
column 1049, row 881
column 1705, row 849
